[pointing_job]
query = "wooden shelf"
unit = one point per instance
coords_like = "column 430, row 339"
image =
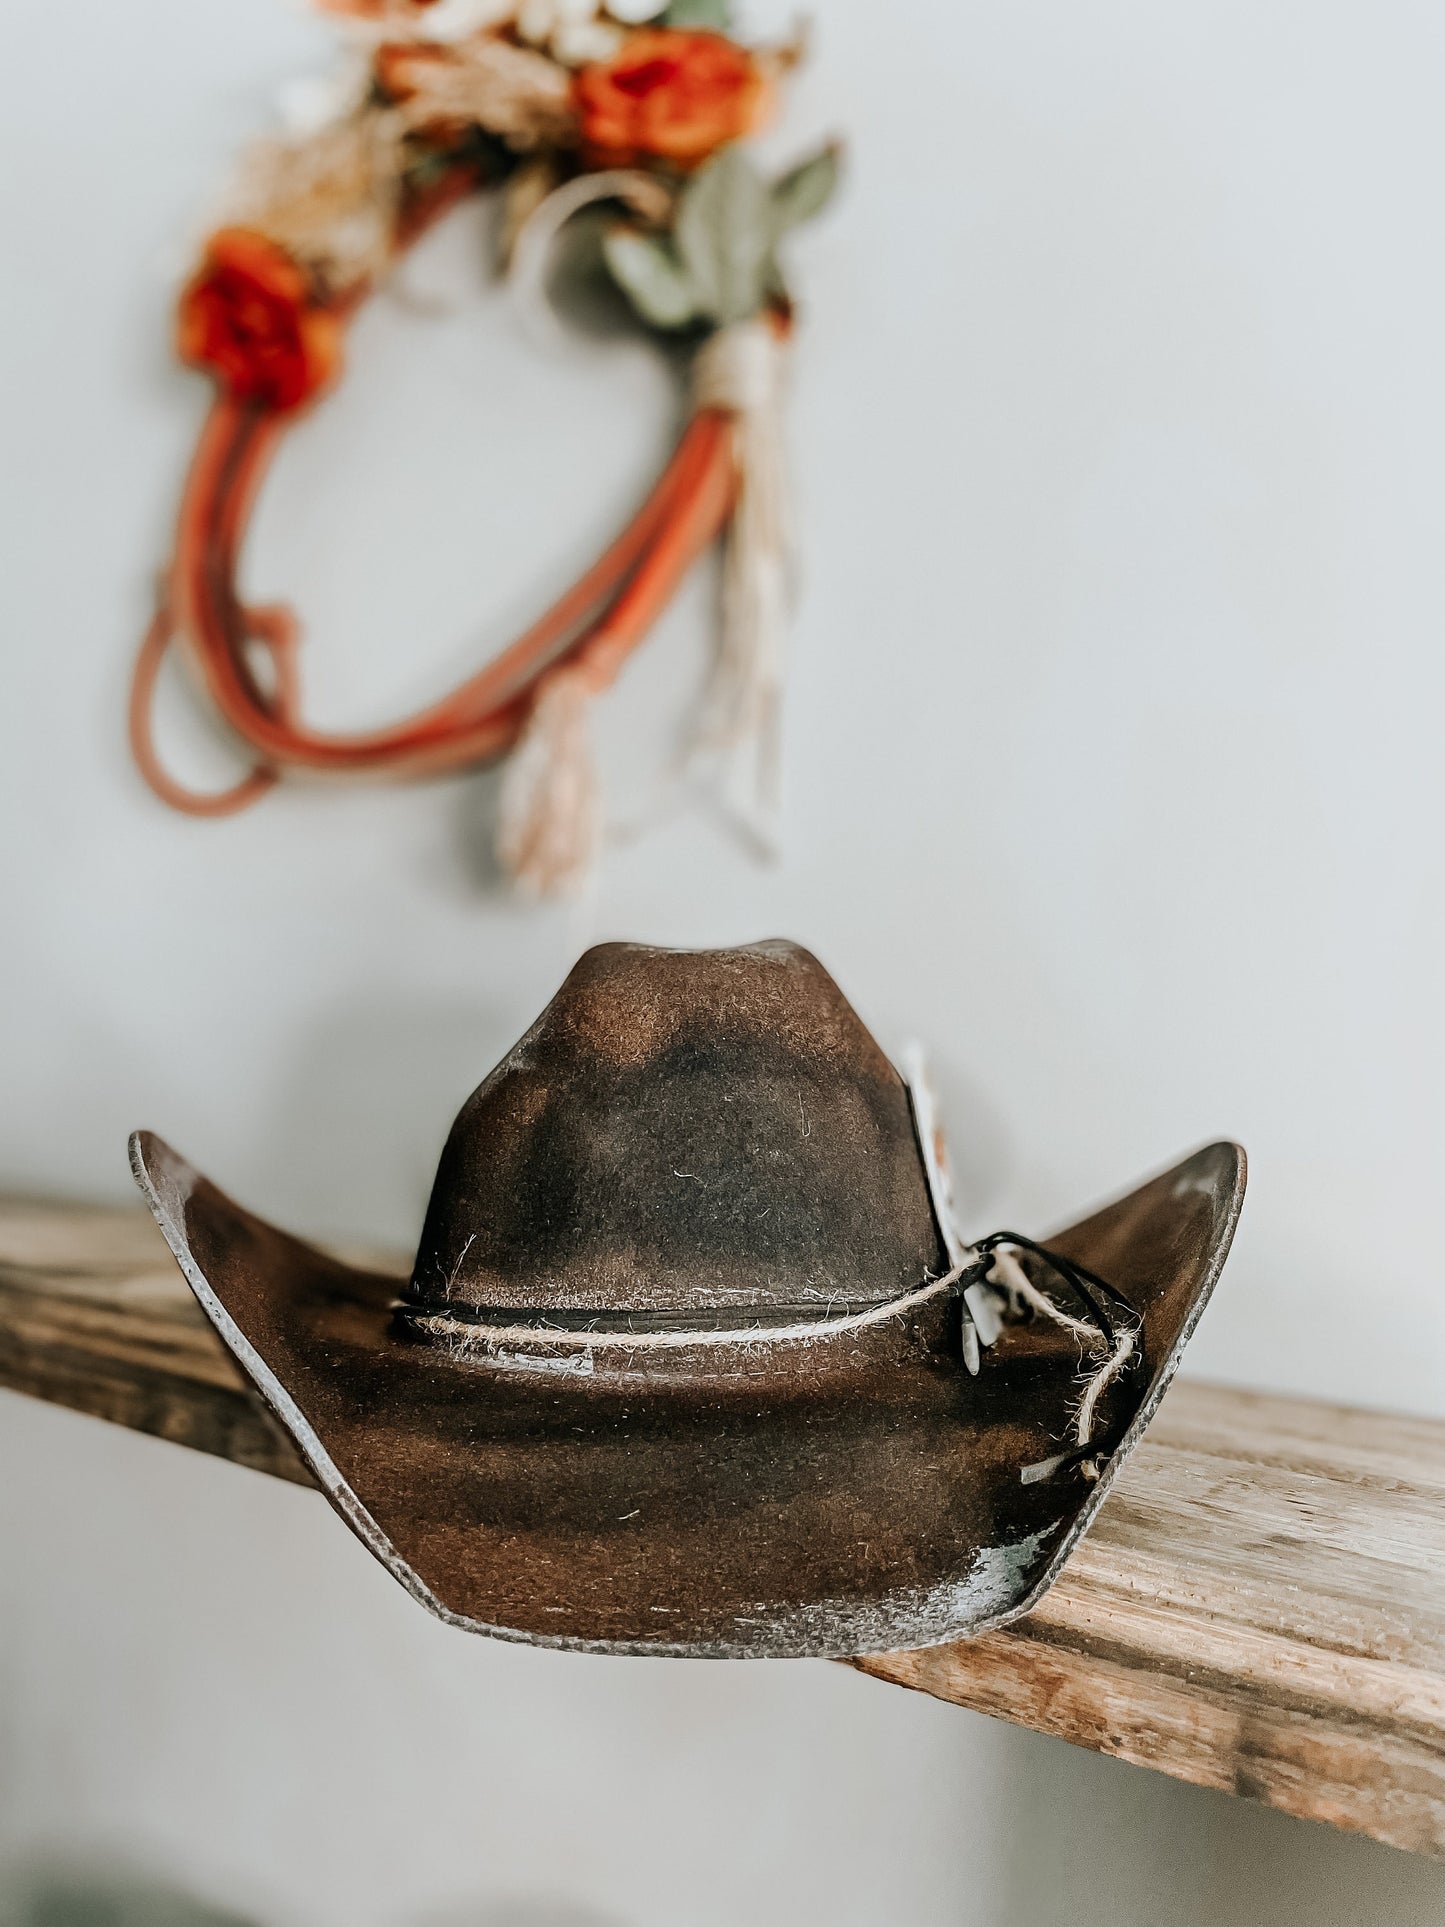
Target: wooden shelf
column 1259, row 1607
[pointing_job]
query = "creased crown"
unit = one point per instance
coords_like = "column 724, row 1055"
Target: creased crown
column 683, row 1130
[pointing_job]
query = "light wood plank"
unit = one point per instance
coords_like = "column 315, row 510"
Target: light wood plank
column 1259, row 1607
column 95, row 1315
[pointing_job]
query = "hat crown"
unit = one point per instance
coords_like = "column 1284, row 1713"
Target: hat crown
column 683, row 1131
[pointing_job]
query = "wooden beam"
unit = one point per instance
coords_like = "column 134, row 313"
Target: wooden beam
column 1260, row 1605
column 94, row 1314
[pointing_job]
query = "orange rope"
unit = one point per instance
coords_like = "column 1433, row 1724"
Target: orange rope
column 142, row 694
column 595, row 624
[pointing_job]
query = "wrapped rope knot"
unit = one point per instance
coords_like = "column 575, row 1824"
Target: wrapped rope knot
column 739, row 372
column 739, row 368
column 1117, row 1339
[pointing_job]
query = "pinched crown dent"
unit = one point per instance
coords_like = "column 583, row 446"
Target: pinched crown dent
column 683, row 1130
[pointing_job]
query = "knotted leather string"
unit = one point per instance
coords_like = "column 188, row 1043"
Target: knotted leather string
column 1109, row 1323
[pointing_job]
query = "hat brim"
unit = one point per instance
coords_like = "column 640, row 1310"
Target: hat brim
column 874, row 1506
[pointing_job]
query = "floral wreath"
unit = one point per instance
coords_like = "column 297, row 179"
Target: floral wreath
column 561, row 104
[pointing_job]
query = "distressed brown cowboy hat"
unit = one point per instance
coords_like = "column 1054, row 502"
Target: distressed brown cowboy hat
column 692, row 1359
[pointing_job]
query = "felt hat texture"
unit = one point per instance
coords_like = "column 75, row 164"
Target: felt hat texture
column 646, row 1390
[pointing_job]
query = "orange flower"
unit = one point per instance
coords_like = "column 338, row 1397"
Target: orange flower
column 668, row 95
column 250, row 318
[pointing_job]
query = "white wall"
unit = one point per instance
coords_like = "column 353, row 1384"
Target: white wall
column 1112, row 770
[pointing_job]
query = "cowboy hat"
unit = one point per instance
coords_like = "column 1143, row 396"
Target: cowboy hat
column 692, row 1359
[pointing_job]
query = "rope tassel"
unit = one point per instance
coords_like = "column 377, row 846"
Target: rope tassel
column 738, row 371
column 549, row 825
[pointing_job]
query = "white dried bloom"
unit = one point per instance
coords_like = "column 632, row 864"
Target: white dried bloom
column 538, row 20
column 634, row 13
column 576, row 43
column 311, row 102
column 573, row 31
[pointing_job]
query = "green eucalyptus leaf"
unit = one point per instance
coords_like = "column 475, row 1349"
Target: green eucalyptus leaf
column 716, row 14
column 725, row 235
column 651, row 276
column 806, row 189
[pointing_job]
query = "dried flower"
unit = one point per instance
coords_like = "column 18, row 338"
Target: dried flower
column 633, row 13
column 518, row 95
column 577, row 43
column 572, row 31
column 311, row 103
column 329, row 200
column 249, row 316
column 669, row 96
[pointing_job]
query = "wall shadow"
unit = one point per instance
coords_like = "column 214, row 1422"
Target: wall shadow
column 51, row 1896
column 476, row 819
column 1099, row 1843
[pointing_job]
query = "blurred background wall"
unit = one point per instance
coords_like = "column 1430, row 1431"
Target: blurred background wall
column 1113, row 771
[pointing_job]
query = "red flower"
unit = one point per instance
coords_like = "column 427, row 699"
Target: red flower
column 669, row 95
column 249, row 316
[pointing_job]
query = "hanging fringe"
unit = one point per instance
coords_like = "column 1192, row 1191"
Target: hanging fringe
column 551, row 818
column 739, row 370
column 550, row 826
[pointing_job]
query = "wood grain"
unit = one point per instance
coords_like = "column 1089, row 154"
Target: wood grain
column 1259, row 1607
column 95, row 1315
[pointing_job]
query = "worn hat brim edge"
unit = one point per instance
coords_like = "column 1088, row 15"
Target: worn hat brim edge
column 1226, row 1225
column 166, row 1179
